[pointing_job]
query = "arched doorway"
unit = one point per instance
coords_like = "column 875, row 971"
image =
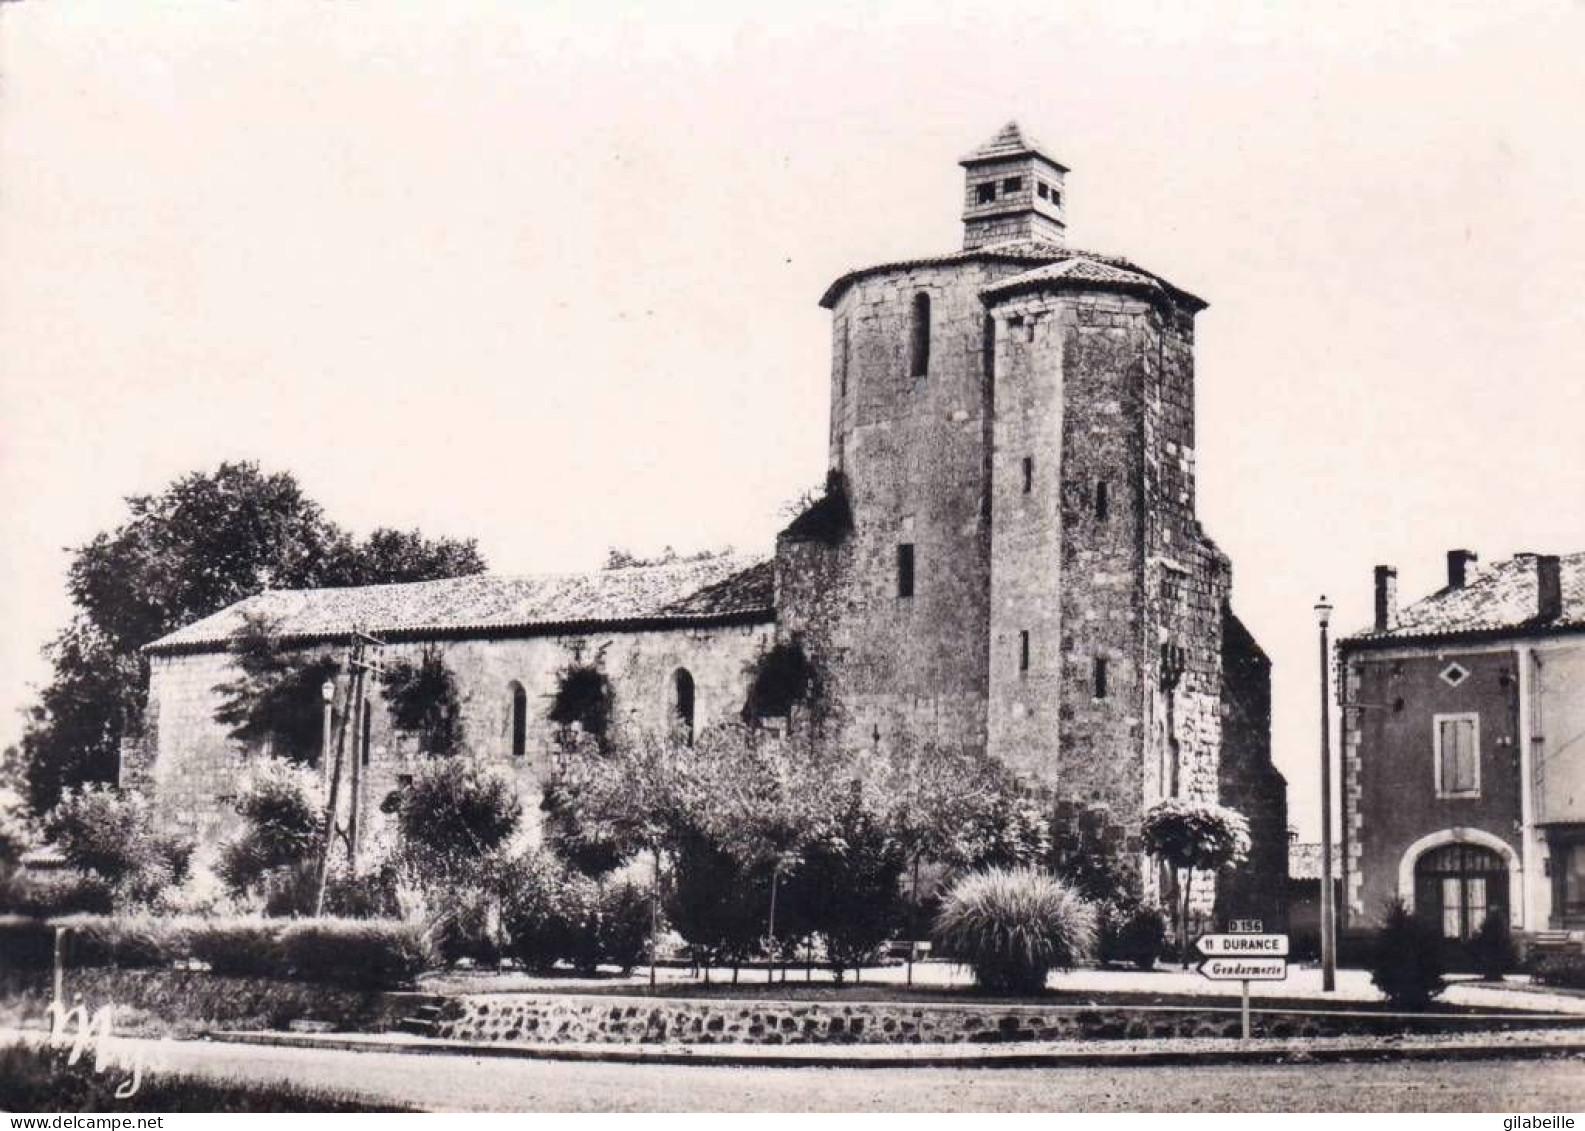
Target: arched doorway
column 682, row 704
column 1457, row 885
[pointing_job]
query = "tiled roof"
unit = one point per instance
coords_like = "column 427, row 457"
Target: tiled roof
column 1500, row 599
column 728, row 588
column 1010, row 141
column 1076, row 270
column 1032, row 252
column 1304, row 862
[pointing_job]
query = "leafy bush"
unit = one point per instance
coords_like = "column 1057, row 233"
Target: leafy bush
column 125, row 941
column 1012, row 925
column 713, row 903
column 365, row 953
column 456, row 811
column 245, row 947
column 109, row 833
column 1131, row 932
column 1492, row 947
column 26, row 943
column 1561, row 970
column 1406, row 961
column 47, row 894
column 274, row 858
column 549, row 914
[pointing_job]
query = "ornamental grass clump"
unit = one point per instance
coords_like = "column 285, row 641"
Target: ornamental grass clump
column 1011, row 926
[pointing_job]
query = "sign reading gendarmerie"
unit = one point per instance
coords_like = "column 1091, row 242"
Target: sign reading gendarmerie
column 1245, row 969
column 1267, row 946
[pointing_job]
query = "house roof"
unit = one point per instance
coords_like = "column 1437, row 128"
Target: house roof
column 1010, row 141
column 1500, row 600
column 1304, row 861
column 1078, row 267
column 724, row 589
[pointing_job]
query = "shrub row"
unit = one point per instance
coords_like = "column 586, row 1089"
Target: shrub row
column 552, row 914
column 1561, row 970
column 361, row 953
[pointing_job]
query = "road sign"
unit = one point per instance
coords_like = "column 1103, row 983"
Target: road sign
column 1245, row 969
column 1242, row 946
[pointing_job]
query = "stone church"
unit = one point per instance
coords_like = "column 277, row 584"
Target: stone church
column 1006, row 556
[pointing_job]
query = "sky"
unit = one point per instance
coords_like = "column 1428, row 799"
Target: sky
column 547, row 274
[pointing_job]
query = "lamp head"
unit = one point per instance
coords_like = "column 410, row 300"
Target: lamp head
column 1323, row 611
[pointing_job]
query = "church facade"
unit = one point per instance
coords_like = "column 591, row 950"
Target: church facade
column 1007, row 556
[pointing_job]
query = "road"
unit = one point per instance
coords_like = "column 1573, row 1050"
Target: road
column 457, row 1083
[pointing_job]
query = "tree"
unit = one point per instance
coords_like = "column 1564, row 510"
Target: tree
column 1194, row 835
column 455, row 813
column 208, row 540
column 282, row 837
column 423, row 702
column 109, row 834
column 847, row 886
column 634, row 795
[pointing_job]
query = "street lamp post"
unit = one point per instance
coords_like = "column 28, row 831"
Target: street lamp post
column 1323, row 614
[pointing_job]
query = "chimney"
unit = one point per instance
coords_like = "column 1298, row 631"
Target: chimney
column 1458, row 567
column 1386, row 598
column 1548, row 586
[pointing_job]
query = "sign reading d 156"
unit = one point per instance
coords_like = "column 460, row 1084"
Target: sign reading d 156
column 1243, row 946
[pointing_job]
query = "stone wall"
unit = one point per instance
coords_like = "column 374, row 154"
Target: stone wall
column 198, row 768
column 611, row 1019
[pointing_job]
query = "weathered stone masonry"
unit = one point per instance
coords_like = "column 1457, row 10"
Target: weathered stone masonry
column 1010, row 559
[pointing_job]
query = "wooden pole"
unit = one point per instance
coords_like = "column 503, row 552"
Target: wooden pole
column 1246, row 1009
column 60, row 967
column 355, row 654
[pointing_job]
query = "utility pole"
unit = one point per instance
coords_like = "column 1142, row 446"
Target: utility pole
column 1323, row 614
column 357, row 667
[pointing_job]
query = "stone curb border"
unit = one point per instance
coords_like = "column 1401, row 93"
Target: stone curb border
column 950, row 1056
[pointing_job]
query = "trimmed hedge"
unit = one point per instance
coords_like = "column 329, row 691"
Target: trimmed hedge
column 246, row 947
column 44, row 895
column 129, row 942
column 26, row 944
column 1561, row 970
column 366, row 953
column 355, row 953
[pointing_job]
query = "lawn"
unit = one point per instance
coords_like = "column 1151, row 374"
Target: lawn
column 37, row 1078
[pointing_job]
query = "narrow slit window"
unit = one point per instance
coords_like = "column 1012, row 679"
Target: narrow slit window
column 1042, row 190
column 847, row 352
column 919, row 353
column 905, row 570
column 1099, row 677
column 364, row 739
column 1029, row 474
column 1023, row 650
column 1103, row 501
column 1056, row 198
column 519, row 720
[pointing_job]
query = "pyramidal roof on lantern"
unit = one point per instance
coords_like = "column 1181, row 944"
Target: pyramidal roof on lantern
column 1010, row 141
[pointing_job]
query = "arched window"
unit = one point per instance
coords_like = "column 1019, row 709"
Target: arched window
column 919, row 351
column 1457, row 885
column 519, row 719
column 682, row 705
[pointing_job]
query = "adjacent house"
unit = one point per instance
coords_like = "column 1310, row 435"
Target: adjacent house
column 1464, row 750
